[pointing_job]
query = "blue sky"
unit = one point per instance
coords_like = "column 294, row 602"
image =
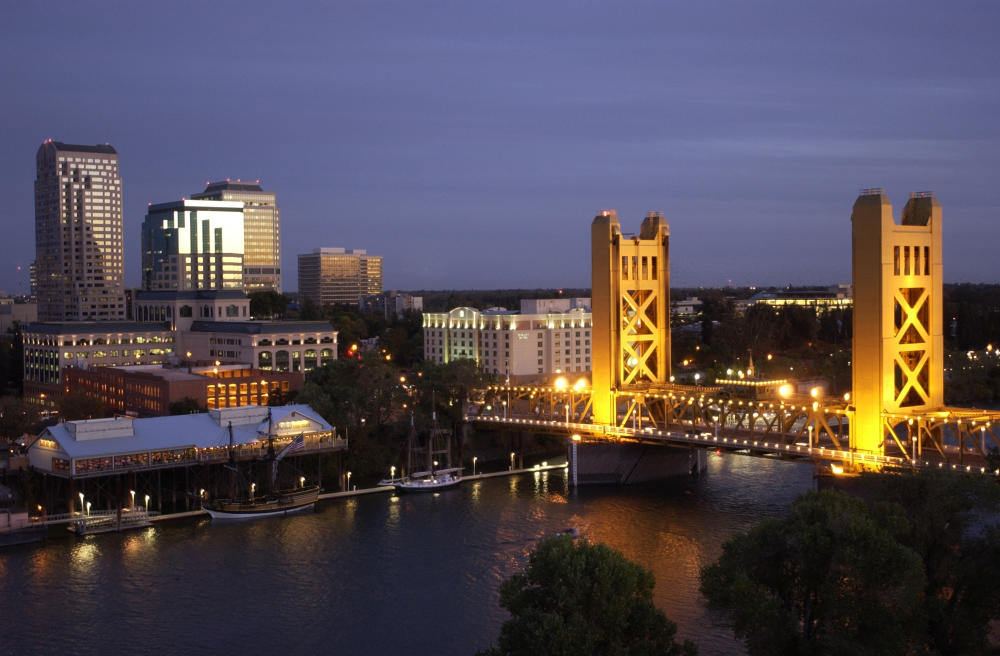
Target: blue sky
column 472, row 143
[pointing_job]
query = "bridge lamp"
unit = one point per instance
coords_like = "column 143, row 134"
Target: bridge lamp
column 560, row 383
column 785, row 391
column 576, row 437
column 815, row 392
column 579, row 384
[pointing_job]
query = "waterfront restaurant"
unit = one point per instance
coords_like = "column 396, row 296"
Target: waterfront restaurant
column 118, row 445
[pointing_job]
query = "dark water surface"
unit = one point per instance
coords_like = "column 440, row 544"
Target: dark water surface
column 374, row 574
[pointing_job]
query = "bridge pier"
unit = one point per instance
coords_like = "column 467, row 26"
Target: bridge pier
column 594, row 463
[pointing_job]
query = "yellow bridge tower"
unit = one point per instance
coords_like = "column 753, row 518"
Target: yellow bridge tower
column 897, row 362
column 630, row 301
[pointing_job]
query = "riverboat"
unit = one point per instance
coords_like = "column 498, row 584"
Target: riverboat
column 272, row 503
column 280, row 503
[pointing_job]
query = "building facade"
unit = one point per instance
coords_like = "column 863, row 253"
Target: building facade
column 182, row 308
column 261, row 231
column 511, row 344
column 193, row 244
column 51, row 347
column 337, row 276
column 150, row 390
column 79, row 246
column 296, row 346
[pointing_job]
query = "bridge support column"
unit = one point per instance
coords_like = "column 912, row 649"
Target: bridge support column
column 593, row 463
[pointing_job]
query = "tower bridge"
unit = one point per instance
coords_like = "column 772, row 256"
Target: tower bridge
column 894, row 416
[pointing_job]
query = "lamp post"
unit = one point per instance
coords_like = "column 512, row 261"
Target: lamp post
column 512, row 461
column 348, row 481
column 914, row 439
column 302, row 481
column 132, row 492
column 474, row 458
column 88, row 508
column 147, row 504
column 567, row 413
column 715, row 418
column 810, row 439
column 81, row 503
column 392, row 472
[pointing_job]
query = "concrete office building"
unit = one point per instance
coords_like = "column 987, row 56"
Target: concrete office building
column 79, row 248
column 261, row 231
column 51, row 347
column 336, row 276
column 193, row 244
column 520, row 345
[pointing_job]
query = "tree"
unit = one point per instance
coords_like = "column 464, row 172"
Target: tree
column 185, row 406
column 16, row 417
column 76, row 406
column 949, row 520
column 827, row 579
column 267, row 304
column 579, row 598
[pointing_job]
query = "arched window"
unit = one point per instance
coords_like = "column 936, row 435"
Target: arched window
column 281, row 361
column 264, row 360
column 185, row 310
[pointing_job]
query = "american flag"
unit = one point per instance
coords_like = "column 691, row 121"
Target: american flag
column 296, row 444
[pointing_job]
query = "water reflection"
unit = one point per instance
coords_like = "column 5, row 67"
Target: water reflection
column 379, row 573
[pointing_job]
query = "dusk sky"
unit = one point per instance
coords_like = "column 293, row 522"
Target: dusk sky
column 471, row 143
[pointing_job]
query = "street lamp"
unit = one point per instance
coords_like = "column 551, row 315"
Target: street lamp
column 132, row 492
column 81, row 502
column 715, row 418
column 302, row 481
column 474, row 458
column 348, row 481
column 810, row 439
column 392, row 472
column 88, row 508
column 512, row 461
column 567, row 413
column 147, row 504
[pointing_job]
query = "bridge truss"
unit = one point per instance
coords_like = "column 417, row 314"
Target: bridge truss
column 801, row 426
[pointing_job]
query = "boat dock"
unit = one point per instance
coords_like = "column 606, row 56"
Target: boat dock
column 108, row 521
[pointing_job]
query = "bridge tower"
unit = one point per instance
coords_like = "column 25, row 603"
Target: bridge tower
column 897, row 362
column 630, row 301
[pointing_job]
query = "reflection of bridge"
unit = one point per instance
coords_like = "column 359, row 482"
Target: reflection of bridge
column 895, row 415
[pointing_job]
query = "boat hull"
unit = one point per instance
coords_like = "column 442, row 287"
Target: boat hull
column 283, row 504
column 426, row 485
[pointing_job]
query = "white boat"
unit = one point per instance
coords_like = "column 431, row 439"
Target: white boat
column 429, row 481
column 437, row 445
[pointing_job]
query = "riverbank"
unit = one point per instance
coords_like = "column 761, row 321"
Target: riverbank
column 379, row 489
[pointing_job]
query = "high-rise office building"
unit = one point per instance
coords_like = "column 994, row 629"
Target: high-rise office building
column 79, row 249
column 261, row 231
column 332, row 276
column 193, row 244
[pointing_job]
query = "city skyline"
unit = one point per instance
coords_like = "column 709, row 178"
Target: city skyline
column 471, row 146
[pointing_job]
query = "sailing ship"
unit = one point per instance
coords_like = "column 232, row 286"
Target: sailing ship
column 432, row 479
column 274, row 501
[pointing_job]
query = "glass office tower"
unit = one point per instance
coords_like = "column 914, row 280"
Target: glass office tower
column 193, row 244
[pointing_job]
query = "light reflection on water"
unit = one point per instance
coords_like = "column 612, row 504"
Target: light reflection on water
column 374, row 573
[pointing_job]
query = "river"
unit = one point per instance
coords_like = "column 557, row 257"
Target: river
column 374, row 574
